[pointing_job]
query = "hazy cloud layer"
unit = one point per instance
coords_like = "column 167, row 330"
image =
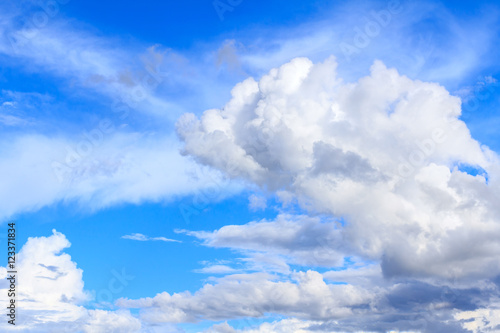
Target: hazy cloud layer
column 121, row 167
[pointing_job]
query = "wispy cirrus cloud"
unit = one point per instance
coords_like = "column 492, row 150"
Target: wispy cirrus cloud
column 123, row 167
column 396, row 32
column 216, row 269
column 144, row 238
column 89, row 62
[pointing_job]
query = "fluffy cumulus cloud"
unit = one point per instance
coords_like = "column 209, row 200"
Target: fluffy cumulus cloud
column 308, row 296
column 387, row 154
column 430, row 304
column 50, row 293
column 389, row 158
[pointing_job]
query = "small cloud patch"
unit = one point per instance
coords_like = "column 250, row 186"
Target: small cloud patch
column 143, row 238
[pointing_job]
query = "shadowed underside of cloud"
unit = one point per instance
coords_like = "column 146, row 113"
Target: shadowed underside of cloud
column 254, row 295
column 53, row 299
column 298, row 239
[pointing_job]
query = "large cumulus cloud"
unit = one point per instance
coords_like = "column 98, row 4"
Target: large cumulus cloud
column 386, row 153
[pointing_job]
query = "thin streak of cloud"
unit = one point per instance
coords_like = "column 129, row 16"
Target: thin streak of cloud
column 144, row 238
column 216, row 269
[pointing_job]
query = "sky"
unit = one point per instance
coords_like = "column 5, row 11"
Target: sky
column 235, row 166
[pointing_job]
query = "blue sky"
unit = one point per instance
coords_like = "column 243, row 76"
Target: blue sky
column 252, row 166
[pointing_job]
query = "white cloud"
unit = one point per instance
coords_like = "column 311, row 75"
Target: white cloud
column 381, row 153
column 365, row 276
column 104, row 165
column 216, row 269
column 295, row 239
column 155, row 80
column 105, row 321
column 282, row 326
column 122, row 167
column 11, row 120
column 50, row 294
column 236, row 296
column 220, row 328
column 257, row 202
column 11, row 114
column 448, row 52
column 332, row 146
column 94, row 62
column 141, row 237
column 480, row 320
column 103, row 64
